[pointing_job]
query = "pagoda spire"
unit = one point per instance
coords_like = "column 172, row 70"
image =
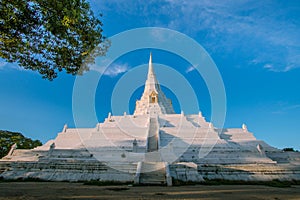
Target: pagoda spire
column 153, row 99
column 151, row 82
column 150, row 68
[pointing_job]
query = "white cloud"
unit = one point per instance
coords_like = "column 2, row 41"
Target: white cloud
column 107, row 66
column 253, row 28
column 190, row 69
column 159, row 35
column 109, row 70
column 262, row 30
column 269, row 67
column 284, row 107
column 6, row 65
column 115, row 70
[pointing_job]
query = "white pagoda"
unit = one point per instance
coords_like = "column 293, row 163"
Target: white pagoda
column 153, row 146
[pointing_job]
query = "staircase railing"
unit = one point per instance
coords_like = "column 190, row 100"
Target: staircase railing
column 138, row 173
column 168, row 174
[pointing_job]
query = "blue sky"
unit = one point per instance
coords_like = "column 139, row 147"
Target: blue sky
column 255, row 45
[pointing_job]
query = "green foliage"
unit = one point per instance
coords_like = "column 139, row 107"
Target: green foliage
column 288, row 149
column 50, row 36
column 7, row 139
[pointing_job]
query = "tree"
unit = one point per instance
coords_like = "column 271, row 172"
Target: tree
column 288, row 149
column 7, row 139
column 50, row 36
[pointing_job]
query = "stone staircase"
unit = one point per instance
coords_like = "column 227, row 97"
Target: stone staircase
column 4, row 166
column 153, row 173
column 152, row 140
column 152, row 169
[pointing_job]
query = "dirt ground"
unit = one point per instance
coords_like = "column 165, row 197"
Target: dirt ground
column 53, row 190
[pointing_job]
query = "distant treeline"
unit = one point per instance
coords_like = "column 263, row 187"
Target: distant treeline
column 7, row 139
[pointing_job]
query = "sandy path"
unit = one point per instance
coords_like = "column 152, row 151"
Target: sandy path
column 51, row 190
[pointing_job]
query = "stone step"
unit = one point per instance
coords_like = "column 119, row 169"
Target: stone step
column 153, row 157
column 152, row 166
column 4, row 167
column 157, row 173
column 152, row 180
column 153, row 183
column 152, row 177
column 152, row 139
column 153, row 173
column 152, row 143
